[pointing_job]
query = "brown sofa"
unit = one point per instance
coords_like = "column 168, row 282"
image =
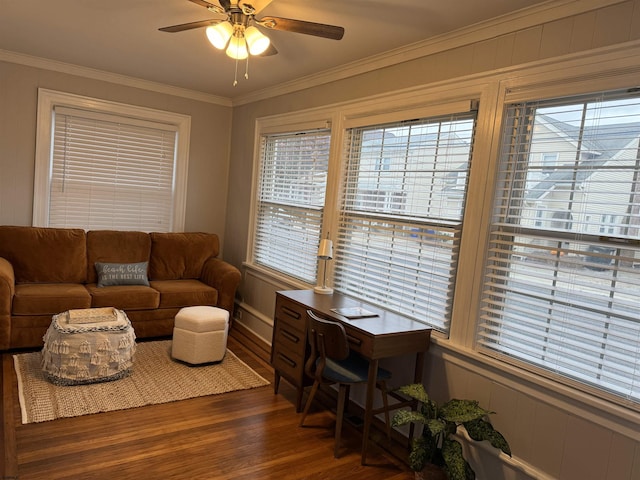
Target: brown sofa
column 45, row 271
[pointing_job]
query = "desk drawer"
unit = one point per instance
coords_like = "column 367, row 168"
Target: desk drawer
column 290, row 338
column 289, row 364
column 359, row 343
column 292, row 314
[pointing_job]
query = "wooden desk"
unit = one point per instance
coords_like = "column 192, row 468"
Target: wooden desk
column 387, row 335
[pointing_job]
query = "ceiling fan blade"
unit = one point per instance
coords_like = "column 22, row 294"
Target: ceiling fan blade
column 258, row 5
column 189, row 26
column 212, row 7
column 300, row 26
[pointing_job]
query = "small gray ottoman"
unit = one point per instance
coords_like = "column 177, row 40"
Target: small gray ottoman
column 200, row 334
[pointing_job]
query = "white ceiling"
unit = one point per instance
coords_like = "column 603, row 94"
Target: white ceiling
column 122, row 37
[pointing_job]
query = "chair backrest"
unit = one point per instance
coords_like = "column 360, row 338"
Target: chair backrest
column 327, row 338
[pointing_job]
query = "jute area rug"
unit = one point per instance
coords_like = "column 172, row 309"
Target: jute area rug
column 155, row 378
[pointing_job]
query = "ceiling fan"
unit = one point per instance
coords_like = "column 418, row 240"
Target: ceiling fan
column 238, row 30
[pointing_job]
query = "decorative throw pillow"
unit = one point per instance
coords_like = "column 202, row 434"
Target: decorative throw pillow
column 122, row 274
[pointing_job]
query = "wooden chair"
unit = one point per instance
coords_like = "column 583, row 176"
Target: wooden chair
column 331, row 361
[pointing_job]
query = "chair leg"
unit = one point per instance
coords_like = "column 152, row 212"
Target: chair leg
column 342, row 395
column 307, row 406
column 385, row 403
column 347, row 394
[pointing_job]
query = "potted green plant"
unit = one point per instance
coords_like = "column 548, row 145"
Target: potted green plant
column 437, row 445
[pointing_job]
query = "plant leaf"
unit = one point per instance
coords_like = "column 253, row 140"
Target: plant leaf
column 454, row 463
column 415, row 391
column 421, row 453
column 403, row 417
column 436, row 426
column 460, row 411
column 482, row 430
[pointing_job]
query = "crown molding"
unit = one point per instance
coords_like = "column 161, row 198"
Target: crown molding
column 505, row 24
column 495, row 27
column 70, row 69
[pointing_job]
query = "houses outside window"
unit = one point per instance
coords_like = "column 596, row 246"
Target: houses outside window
column 561, row 280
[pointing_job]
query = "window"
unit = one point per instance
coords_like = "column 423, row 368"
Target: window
column 400, row 225
column 549, row 162
column 291, row 194
column 102, row 165
column 608, row 224
column 561, row 297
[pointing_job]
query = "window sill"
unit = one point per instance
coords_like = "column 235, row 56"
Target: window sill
column 621, row 418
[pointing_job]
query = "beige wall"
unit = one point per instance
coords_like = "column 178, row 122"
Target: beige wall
column 208, row 150
column 554, row 432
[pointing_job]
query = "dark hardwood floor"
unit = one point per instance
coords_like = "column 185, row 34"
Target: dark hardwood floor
column 250, row 434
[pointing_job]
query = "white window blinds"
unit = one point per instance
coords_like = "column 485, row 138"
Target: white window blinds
column 563, row 273
column 291, row 193
column 111, row 172
column 401, row 213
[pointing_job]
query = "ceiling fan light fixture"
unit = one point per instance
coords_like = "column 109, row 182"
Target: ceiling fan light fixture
column 239, row 36
column 237, row 48
column 219, row 34
column 256, row 40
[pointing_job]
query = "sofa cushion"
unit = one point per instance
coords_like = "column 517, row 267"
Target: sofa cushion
column 111, row 246
column 122, row 274
column 184, row 293
column 177, row 256
column 45, row 255
column 124, row 297
column 49, row 298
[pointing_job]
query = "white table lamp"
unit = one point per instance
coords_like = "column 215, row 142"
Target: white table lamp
column 325, row 252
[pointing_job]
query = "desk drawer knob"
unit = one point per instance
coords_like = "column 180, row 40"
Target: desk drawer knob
column 290, row 336
column 291, row 313
column 287, row 360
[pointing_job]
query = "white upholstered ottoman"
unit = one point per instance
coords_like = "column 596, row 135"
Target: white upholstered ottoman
column 200, row 334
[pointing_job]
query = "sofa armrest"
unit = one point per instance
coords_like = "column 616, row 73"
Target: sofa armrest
column 7, row 290
column 225, row 278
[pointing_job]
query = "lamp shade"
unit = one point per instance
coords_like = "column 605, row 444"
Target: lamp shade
column 325, row 250
column 256, row 41
column 219, row 34
column 237, row 48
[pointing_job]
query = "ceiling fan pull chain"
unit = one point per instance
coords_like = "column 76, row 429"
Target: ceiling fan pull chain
column 246, row 69
column 235, row 76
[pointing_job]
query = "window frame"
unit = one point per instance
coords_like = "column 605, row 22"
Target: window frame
column 302, row 212
column 541, row 85
column 49, row 99
column 350, row 213
column 274, row 125
column 393, row 108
